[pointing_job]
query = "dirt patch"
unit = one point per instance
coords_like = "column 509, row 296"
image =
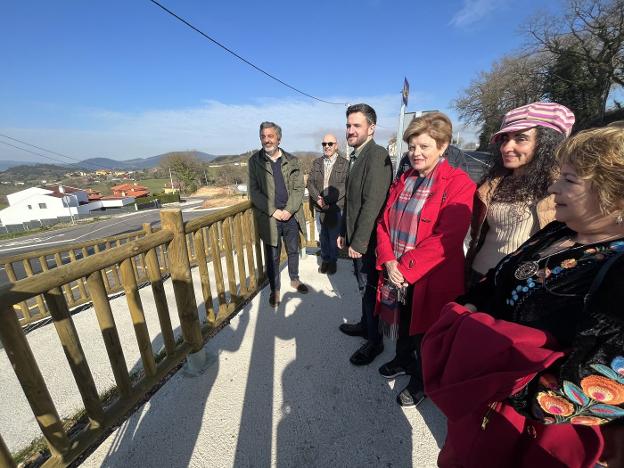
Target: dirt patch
column 219, row 196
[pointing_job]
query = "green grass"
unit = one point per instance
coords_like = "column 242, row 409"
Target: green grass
column 154, row 185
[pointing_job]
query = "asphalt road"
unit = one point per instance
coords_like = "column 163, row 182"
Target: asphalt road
column 80, row 233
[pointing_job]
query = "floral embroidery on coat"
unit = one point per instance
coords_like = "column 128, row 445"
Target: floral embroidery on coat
column 596, row 401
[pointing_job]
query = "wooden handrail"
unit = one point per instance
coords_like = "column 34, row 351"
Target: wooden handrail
column 197, row 223
column 66, row 247
column 38, row 284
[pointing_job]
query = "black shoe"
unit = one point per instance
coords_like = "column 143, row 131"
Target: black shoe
column 331, row 269
column 299, row 286
column 323, row 267
column 353, row 329
column 366, row 354
column 274, row 298
column 392, row 369
column 409, row 397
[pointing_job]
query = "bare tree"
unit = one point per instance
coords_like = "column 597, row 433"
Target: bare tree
column 512, row 82
column 186, row 168
column 586, row 43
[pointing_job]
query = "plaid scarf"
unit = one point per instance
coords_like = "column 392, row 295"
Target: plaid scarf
column 403, row 218
column 405, row 211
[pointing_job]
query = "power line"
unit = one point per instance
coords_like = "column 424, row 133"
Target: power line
column 39, row 147
column 241, row 58
column 32, row 152
column 82, row 163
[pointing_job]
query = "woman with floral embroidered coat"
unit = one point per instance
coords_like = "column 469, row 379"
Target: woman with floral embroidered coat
column 572, row 412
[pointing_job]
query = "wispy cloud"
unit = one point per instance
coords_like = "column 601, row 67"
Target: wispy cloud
column 212, row 126
column 473, row 11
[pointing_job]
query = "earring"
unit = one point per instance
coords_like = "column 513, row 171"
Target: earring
column 619, row 219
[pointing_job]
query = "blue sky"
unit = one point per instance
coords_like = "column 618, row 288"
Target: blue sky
column 122, row 79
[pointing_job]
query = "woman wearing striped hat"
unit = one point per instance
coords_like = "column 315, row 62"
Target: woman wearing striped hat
column 512, row 201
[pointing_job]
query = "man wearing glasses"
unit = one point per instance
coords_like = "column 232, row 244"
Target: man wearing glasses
column 326, row 187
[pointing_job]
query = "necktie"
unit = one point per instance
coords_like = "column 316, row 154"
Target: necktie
column 352, row 160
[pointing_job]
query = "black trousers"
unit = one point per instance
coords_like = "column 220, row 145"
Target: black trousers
column 408, row 347
column 366, row 275
column 289, row 231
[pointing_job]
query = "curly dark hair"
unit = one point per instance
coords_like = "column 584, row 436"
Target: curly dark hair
column 540, row 172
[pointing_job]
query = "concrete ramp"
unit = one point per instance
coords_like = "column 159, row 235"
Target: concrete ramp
column 280, row 391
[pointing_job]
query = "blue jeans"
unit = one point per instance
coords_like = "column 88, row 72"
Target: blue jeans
column 366, row 275
column 328, row 237
column 289, row 231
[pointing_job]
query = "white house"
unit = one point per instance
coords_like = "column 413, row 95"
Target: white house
column 52, row 202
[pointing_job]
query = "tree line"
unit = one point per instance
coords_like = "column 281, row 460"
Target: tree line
column 574, row 57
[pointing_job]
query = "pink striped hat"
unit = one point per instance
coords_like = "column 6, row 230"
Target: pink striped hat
column 542, row 114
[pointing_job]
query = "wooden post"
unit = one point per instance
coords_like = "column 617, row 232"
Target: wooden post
column 154, row 275
column 240, row 253
column 229, row 260
column 138, row 316
column 258, row 244
column 104, row 271
column 6, row 460
column 309, row 216
column 105, row 318
column 75, row 355
column 81, row 285
column 204, row 276
column 40, row 304
column 248, row 236
column 143, row 275
column 69, row 295
column 118, row 284
column 218, row 269
column 180, row 270
column 27, row 371
column 12, row 278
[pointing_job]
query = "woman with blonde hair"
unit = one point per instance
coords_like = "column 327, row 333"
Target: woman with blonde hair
column 545, row 385
column 420, row 236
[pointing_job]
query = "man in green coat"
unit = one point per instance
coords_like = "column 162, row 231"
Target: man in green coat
column 276, row 191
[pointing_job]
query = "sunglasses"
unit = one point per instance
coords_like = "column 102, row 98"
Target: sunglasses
column 330, row 144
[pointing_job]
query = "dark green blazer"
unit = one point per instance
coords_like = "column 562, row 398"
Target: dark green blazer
column 367, row 187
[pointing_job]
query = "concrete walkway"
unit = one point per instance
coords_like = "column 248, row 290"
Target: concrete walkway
column 280, row 390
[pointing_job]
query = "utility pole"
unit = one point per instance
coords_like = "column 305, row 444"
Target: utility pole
column 171, row 178
column 399, row 137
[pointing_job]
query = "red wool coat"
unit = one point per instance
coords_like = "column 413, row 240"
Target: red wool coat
column 436, row 266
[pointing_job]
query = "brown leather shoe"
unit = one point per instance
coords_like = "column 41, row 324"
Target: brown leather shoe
column 299, row 286
column 323, row 268
column 274, row 298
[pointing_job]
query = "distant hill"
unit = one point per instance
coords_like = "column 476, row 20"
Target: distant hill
column 134, row 164
column 4, row 165
column 34, row 171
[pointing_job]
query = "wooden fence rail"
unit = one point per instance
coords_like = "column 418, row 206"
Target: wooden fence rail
column 40, row 261
column 226, row 248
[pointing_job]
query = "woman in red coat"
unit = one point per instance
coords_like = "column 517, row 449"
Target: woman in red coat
column 420, row 237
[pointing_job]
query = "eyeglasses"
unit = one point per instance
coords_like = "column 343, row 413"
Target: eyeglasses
column 330, row 144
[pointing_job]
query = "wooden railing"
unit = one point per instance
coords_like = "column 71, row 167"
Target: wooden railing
column 76, row 293
column 30, row 264
column 227, row 251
